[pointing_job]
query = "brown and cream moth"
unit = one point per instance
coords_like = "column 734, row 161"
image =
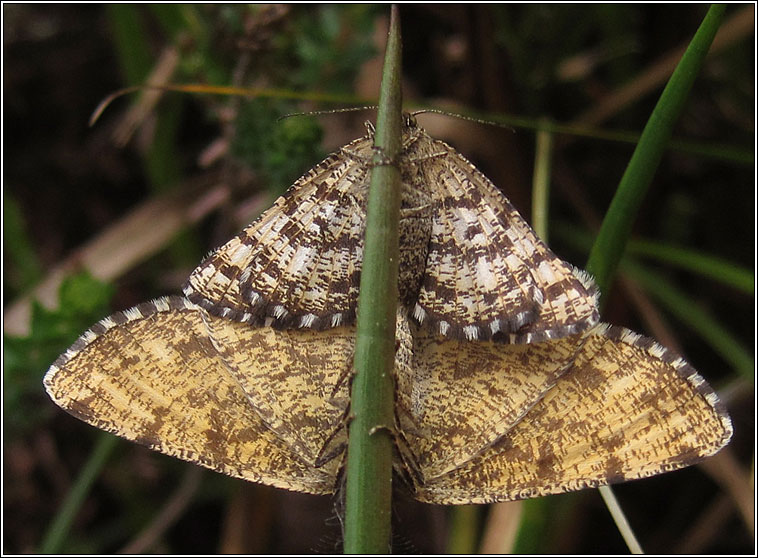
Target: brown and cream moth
column 470, row 265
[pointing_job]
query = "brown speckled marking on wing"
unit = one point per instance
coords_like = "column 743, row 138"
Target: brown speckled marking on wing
column 487, row 273
column 455, row 399
column 296, row 380
column 298, row 265
column 470, row 266
column 627, row 409
column 151, row 375
column 299, row 262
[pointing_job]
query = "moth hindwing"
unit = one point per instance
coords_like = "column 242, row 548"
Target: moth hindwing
column 475, row 422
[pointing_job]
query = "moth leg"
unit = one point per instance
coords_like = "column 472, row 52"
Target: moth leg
column 329, row 450
column 347, row 374
column 325, row 457
column 410, row 468
column 327, row 453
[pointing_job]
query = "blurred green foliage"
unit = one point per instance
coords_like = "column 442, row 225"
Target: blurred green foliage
column 327, row 48
column 22, row 268
column 82, row 300
column 529, row 35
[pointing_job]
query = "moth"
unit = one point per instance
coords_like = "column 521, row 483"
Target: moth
column 470, row 267
column 476, row 422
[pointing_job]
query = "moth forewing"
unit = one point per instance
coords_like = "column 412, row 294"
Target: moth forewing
column 470, row 266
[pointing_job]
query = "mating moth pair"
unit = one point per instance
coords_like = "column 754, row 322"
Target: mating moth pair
column 507, row 387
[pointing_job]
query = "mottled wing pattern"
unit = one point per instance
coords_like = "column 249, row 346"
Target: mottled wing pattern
column 470, row 266
column 455, row 399
column 151, row 375
column 627, row 409
column 476, row 422
column 488, row 275
column 296, row 380
column 298, row 264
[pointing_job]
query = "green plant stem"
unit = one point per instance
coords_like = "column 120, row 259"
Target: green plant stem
column 56, row 533
column 541, row 180
column 368, row 489
column 617, row 225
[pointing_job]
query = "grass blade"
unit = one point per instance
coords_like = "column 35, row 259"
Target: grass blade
column 541, row 180
column 696, row 262
column 56, row 533
column 617, row 225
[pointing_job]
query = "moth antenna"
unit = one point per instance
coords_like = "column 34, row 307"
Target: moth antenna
column 332, row 111
column 463, row 117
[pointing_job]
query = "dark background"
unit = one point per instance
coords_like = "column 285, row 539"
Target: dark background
column 65, row 183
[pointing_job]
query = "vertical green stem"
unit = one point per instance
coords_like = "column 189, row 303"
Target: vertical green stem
column 464, row 530
column 541, row 179
column 369, row 457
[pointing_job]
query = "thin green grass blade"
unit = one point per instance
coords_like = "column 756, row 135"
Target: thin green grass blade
column 535, row 523
column 131, row 44
column 464, row 530
column 617, row 225
column 59, row 528
column 698, row 263
column 692, row 261
column 130, row 41
column 175, row 18
column 368, row 489
column 541, row 180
